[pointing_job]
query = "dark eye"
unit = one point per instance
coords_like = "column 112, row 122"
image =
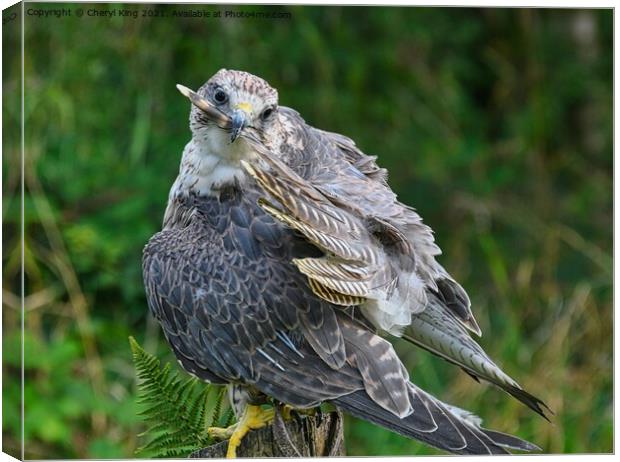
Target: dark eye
column 220, row 96
column 267, row 113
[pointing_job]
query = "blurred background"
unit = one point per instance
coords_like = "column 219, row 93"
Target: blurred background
column 494, row 123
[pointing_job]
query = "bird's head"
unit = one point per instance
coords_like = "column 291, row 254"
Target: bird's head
column 230, row 103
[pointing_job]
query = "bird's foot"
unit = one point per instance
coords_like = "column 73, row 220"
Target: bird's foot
column 253, row 418
column 221, row 434
column 287, row 411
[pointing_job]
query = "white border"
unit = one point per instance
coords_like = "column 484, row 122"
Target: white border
column 455, row 3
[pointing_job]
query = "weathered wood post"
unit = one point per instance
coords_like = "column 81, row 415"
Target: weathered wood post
column 320, row 435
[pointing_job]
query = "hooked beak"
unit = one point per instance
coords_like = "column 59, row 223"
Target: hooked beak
column 213, row 113
column 240, row 119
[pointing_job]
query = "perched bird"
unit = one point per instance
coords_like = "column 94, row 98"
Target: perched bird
column 285, row 258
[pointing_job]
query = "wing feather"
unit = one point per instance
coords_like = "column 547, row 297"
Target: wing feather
column 332, row 296
column 190, row 284
column 330, row 169
column 439, row 332
column 385, row 381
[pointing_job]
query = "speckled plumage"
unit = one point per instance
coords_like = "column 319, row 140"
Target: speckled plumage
column 276, row 278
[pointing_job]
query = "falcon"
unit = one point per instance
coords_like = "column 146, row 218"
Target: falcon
column 285, row 263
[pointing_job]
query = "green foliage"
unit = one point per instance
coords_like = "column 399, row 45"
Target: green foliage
column 176, row 409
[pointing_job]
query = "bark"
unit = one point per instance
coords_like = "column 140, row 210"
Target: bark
column 306, row 436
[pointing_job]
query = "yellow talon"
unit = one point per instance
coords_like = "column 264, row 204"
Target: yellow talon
column 253, row 418
column 286, row 412
column 218, row 433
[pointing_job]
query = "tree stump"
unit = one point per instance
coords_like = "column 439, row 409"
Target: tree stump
column 304, row 436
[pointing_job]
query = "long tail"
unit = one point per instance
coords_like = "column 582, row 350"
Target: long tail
column 435, row 423
column 437, row 331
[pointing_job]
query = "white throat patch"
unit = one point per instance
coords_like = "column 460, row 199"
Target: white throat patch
column 209, row 162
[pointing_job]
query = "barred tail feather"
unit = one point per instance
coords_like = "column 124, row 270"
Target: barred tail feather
column 436, row 330
column 444, row 430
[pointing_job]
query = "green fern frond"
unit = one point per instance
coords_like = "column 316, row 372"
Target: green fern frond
column 175, row 409
column 217, row 410
column 228, row 419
